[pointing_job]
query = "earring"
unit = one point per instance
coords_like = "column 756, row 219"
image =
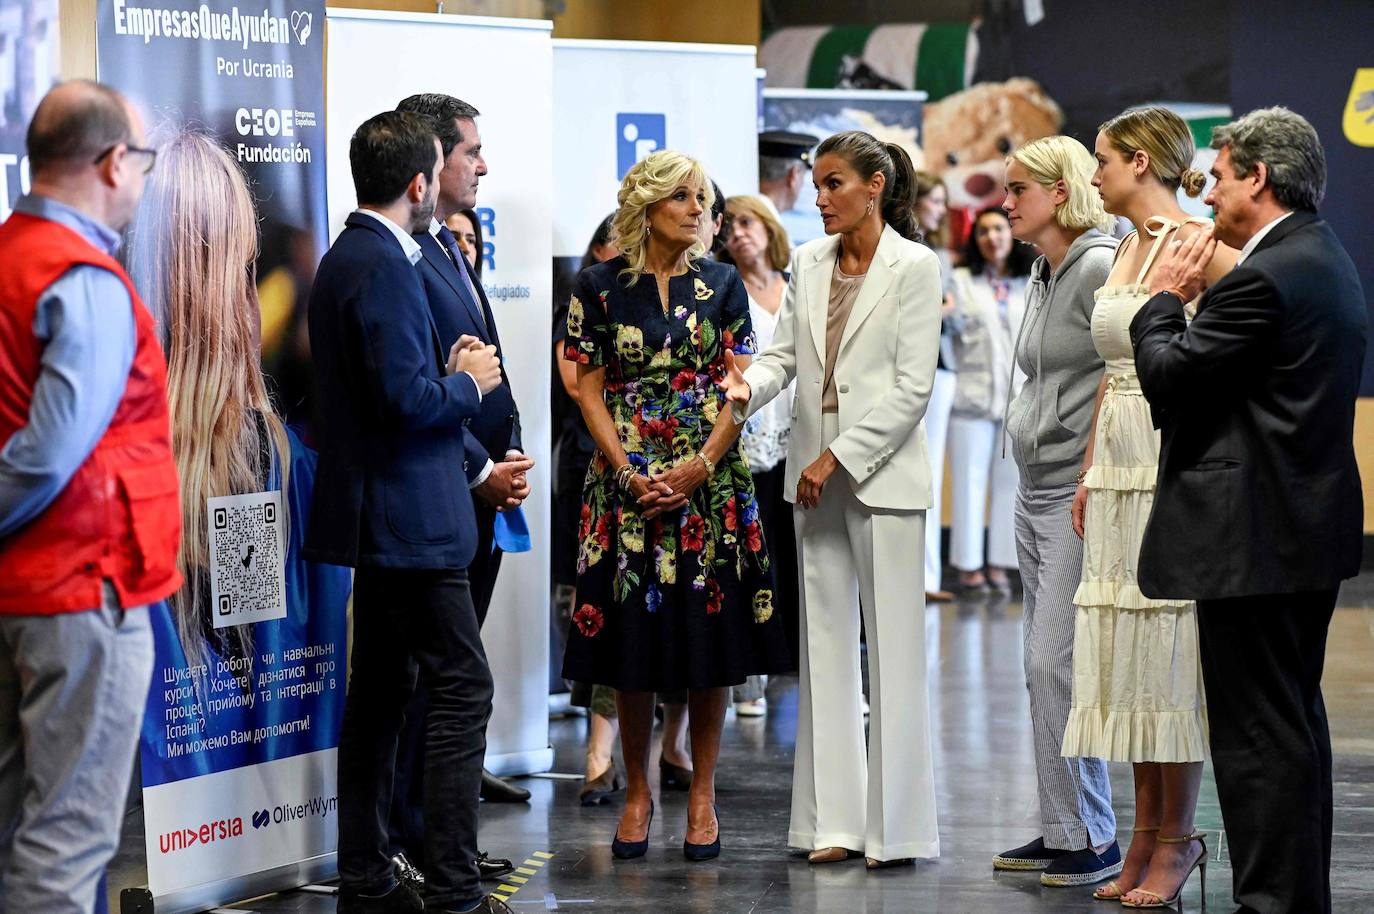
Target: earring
column 646, row 230
column 868, row 210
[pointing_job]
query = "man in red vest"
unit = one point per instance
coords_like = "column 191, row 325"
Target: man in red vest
column 89, row 506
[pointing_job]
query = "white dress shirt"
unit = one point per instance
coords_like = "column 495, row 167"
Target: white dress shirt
column 409, row 245
column 1256, row 238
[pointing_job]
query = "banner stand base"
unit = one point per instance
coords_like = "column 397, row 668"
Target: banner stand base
column 290, row 877
column 136, row 901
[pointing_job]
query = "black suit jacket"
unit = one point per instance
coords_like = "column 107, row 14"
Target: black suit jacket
column 391, row 420
column 496, row 429
column 1255, row 399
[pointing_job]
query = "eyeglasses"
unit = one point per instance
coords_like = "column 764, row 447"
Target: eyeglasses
column 137, row 150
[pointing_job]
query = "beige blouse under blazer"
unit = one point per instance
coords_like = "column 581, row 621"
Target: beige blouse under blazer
column 883, row 372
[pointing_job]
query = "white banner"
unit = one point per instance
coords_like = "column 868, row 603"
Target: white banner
column 617, row 101
column 503, row 67
column 242, row 823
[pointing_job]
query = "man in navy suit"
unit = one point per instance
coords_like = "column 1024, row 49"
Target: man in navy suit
column 495, row 466
column 395, row 399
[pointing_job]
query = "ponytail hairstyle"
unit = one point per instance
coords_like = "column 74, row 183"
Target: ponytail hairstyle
column 867, row 155
column 1165, row 138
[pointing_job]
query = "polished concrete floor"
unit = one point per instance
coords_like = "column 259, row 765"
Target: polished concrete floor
column 986, row 797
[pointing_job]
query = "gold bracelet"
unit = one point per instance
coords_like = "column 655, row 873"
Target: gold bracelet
column 710, row 466
column 1082, row 474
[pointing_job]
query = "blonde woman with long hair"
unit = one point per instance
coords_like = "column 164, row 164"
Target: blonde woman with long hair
column 673, row 587
column 1138, row 693
column 192, row 252
column 1052, row 204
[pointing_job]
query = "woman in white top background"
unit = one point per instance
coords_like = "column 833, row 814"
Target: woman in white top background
column 1137, row 684
column 990, row 300
column 932, row 216
column 758, row 245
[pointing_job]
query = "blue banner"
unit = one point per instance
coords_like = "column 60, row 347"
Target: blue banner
column 282, row 697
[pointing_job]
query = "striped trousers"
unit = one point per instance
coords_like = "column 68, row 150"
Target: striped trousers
column 1075, row 793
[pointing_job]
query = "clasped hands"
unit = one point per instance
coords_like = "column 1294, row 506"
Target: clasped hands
column 506, row 486
column 659, row 493
column 478, row 359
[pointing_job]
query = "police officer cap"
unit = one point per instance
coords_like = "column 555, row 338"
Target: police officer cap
column 784, row 144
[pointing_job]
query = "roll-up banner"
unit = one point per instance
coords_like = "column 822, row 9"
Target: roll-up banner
column 609, row 113
column 241, row 730
column 29, row 59
column 241, row 727
column 503, row 67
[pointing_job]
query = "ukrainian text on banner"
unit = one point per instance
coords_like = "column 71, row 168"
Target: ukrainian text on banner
column 239, row 743
column 28, row 68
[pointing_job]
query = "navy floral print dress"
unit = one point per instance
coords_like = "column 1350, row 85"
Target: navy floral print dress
column 684, row 599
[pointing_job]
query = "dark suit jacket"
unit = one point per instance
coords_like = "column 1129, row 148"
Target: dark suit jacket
column 1258, row 489
column 391, row 421
column 497, row 428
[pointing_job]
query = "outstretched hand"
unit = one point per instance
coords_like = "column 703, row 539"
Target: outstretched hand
column 734, row 386
column 1183, row 268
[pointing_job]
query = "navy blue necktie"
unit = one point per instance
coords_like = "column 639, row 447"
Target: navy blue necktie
column 449, row 243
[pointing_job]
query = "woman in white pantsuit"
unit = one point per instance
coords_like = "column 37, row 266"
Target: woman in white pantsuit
column 859, row 330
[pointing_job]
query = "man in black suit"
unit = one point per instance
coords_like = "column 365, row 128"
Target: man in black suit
column 395, row 400
column 1258, row 512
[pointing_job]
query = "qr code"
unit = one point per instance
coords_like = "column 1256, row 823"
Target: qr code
column 247, row 558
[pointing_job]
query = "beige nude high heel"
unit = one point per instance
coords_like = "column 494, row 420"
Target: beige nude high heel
column 1113, row 891
column 1159, row 901
column 831, row 855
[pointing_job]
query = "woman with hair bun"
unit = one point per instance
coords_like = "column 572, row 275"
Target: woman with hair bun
column 1137, row 690
column 859, row 330
column 673, row 586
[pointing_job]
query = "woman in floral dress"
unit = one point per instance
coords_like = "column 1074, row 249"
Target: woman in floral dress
column 673, row 585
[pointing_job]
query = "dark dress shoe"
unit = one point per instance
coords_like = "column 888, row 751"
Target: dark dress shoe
column 673, row 777
column 402, row 899
column 408, row 873
column 699, row 852
column 599, row 789
column 488, row 905
column 493, row 867
column 496, row 790
column 628, row 850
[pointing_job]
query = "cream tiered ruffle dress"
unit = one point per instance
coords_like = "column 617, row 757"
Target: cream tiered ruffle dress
column 1137, row 679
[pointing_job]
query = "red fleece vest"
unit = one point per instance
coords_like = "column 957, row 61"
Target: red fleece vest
column 119, row 517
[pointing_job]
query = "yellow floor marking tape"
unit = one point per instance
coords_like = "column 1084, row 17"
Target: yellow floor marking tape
column 533, row 862
column 520, row 879
column 499, row 897
column 543, row 855
column 527, row 871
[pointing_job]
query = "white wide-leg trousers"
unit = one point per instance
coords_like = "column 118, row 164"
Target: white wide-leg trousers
column 881, row 802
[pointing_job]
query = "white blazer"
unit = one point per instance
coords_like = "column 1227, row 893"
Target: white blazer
column 883, row 372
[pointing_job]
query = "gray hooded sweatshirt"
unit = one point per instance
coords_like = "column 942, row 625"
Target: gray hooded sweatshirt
column 1050, row 420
